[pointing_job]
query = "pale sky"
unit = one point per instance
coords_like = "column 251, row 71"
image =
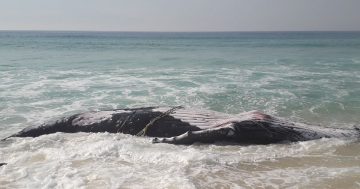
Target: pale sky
column 180, row 15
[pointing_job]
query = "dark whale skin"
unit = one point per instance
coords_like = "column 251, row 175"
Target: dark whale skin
column 186, row 126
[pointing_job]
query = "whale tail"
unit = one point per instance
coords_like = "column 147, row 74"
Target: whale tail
column 27, row 132
column 6, row 138
column 57, row 126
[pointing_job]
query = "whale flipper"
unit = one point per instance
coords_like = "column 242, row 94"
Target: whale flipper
column 203, row 136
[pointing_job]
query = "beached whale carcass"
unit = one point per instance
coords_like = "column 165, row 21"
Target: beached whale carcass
column 179, row 125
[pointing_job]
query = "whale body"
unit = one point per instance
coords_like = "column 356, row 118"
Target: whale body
column 179, row 125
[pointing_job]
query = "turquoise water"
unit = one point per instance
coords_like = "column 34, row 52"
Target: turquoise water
column 312, row 76
column 304, row 76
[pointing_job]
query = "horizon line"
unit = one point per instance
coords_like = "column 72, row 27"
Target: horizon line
column 176, row 31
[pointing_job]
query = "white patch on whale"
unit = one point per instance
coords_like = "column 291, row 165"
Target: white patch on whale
column 196, row 117
column 90, row 118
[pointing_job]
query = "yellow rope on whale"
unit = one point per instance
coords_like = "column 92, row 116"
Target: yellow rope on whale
column 170, row 111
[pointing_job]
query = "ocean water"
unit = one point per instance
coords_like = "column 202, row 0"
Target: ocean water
column 311, row 77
